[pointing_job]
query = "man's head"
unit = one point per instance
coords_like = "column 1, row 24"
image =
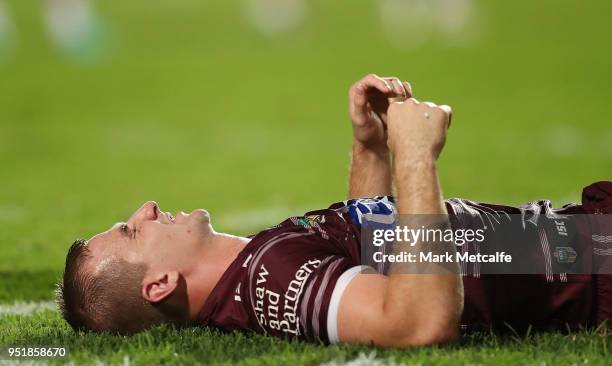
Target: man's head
column 132, row 276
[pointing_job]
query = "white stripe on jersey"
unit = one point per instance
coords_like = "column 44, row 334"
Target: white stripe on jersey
column 546, row 252
column 246, row 262
column 334, row 303
column 319, row 299
column 604, row 239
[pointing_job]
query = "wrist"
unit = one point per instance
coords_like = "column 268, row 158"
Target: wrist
column 413, row 162
column 413, row 156
column 378, row 150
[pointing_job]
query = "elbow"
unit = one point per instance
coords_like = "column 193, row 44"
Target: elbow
column 425, row 335
column 432, row 324
column 447, row 334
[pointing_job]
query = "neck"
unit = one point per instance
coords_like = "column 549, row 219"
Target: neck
column 217, row 255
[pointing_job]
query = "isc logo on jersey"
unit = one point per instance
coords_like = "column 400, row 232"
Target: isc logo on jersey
column 561, row 229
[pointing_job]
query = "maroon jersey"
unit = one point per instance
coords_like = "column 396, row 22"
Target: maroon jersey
column 553, row 299
column 288, row 281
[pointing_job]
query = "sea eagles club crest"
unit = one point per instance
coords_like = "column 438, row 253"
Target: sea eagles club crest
column 565, row 255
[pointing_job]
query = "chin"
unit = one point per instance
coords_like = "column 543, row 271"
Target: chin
column 201, row 214
column 201, row 218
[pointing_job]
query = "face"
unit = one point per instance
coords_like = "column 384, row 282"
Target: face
column 153, row 237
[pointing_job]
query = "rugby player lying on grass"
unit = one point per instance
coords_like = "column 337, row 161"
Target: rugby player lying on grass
column 302, row 278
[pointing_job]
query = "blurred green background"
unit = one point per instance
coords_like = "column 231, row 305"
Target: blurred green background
column 240, row 107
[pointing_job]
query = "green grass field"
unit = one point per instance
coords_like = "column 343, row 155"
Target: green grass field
column 191, row 104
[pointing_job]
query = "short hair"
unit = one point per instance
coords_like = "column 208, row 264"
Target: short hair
column 110, row 300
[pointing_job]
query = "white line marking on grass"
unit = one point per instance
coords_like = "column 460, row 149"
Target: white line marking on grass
column 24, row 362
column 26, row 307
column 261, row 218
column 364, row 360
column 126, row 362
column 12, row 214
column 275, row 16
column 606, row 145
column 566, row 141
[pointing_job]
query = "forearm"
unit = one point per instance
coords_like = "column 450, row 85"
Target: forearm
column 418, row 187
column 426, row 298
column 370, row 173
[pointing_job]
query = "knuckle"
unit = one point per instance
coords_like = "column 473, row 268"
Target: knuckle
column 356, row 89
column 394, row 107
column 447, row 110
column 441, row 117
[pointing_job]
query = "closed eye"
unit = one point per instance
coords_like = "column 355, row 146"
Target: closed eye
column 125, row 229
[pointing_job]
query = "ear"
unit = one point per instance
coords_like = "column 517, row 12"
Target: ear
column 158, row 287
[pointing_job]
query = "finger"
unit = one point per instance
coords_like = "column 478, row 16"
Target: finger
column 397, row 101
column 377, row 82
column 357, row 93
column 408, row 89
column 357, row 97
column 398, row 87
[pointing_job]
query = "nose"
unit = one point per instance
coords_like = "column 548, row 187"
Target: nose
column 147, row 212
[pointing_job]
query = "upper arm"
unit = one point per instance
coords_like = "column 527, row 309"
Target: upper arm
column 360, row 313
column 362, row 317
